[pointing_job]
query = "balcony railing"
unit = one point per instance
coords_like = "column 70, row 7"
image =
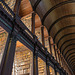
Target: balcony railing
column 22, row 27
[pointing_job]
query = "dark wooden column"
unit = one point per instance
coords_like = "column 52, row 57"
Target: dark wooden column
column 59, row 57
column 35, row 63
column 55, row 52
column 35, row 58
column 17, row 6
column 33, row 22
column 55, row 68
column 55, row 49
column 62, row 61
column 50, row 45
column 8, row 57
column 66, row 73
column 47, row 66
column 42, row 35
column 60, row 72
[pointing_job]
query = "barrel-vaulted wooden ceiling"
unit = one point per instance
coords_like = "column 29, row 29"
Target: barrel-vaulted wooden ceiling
column 58, row 16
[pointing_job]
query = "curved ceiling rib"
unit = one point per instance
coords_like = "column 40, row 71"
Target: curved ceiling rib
column 66, row 16
column 68, row 51
column 72, row 66
column 36, row 4
column 71, row 59
column 73, row 62
column 64, row 37
column 73, row 70
column 54, row 7
column 67, row 47
column 66, row 42
column 62, row 30
column 69, row 55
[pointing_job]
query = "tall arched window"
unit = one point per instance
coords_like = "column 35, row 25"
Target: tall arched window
column 41, row 67
column 38, row 34
column 23, row 60
column 27, row 21
column 46, row 38
column 52, row 72
column 61, row 61
column 57, row 56
column 38, row 28
column 3, row 39
column 52, row 47
column 58, row 73
column 47, row 44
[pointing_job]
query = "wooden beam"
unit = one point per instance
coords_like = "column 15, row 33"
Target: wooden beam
column 8, row 56
column 35, row 63
column 55, row 52
column 47, row 66
column 42, row 35
column 59, row 56
column 50, row 45
column 33, row 23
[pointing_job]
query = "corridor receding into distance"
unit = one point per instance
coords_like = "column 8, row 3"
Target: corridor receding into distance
column 37, row 37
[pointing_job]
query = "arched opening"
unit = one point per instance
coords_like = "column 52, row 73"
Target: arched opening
column 46, row 38
column 52, row 72
column 41, row 67
column 23, row 60
column 58, row 73
column 52, row 47
column 38, row 28
column 3, row 39
column 27, row 21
